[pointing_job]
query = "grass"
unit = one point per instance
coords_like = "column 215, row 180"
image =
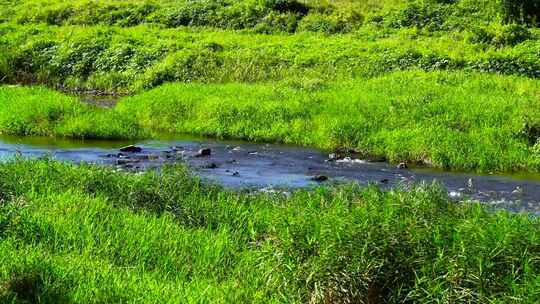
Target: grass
column 79, row 234
column 42, row 112
column 447, row 120
column 450, row 84
column 125, row 59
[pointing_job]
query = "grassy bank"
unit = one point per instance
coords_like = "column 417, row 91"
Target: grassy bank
column 43, row 112
column 76, row 53
column 73, row 234
column 448, row 120
column 290, row 16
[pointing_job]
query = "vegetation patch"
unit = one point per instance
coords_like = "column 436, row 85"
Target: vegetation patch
column 130, row 46
column 445, row 83
column 110, row 237
column 42, row 112
column 448, row 120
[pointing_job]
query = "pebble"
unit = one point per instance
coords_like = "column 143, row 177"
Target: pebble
column 131, row 149
column 402, row 166
column 211, row 166
column 351, row 160
column 204, row 152
column 319, row 178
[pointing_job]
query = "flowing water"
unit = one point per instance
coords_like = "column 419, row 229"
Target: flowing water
column 239, row 164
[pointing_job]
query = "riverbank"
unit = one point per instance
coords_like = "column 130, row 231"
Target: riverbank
column 112, row 58
column 451, row 120
column 72, row 233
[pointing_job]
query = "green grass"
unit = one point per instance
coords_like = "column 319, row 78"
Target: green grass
column 449, row 120
column 112, row 57
column 260, row 15
column 442, row 119
column 451, row 84
column 79, row 234
column 329, row 16
column 42, row 112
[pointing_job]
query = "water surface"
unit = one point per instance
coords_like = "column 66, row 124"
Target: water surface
column 240, row 164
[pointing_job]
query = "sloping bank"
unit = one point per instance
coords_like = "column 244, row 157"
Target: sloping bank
column 450, row 120
column 79, row 234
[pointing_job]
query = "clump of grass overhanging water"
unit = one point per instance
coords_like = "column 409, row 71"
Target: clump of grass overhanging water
column 41, row 112
column 441, row 119
column 82, row 234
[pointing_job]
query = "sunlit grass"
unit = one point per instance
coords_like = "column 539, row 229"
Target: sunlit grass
column 88, row 235
column 449, row 120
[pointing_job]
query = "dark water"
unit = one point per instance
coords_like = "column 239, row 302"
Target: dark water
column 241, row 164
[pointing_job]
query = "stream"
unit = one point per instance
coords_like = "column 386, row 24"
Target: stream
column 239, row 164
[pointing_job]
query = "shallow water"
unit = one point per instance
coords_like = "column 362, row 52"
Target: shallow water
column 240, row 164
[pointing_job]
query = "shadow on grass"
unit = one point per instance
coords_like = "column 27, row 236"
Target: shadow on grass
column 33, row 286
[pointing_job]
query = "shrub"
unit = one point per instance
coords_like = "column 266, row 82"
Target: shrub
column 480, row 35
column 192, row 13
column 278, row 22
column 34, row 285
column 421, row 15
column 521, row 11
column 507, row 65
column 128, row 14
column 184, row 66
column 536, row 148
column 507, row 35
column 287, row 6
column 29, row 63
column 531, row 132
column 511, row 35
column 266, row 16
column 338, row 22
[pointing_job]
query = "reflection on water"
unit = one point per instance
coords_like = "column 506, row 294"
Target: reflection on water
column 7, row 141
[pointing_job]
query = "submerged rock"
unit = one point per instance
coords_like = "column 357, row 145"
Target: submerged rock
column 204, row 152
column 114, row 155
column 123, row 162
column 351, row 160
column 402, row 166
column 332, row 157
column 319, row 178
column 131, row 149
column 211, row 166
